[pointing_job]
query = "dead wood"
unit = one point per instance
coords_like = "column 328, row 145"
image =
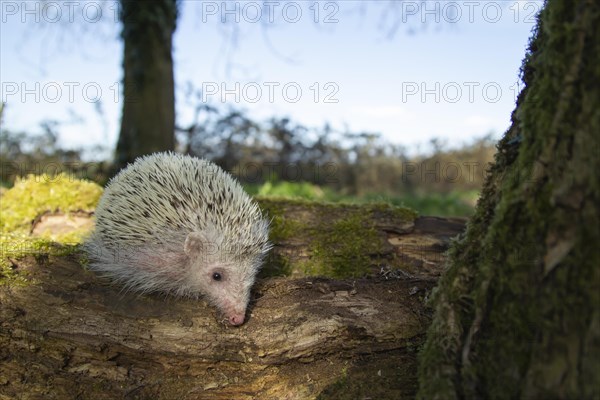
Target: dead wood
column 70, row 334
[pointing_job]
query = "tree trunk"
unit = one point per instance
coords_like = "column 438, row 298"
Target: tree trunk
column 148, row 121
column 517, row 315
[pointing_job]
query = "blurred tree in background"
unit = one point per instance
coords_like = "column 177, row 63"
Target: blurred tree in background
column 148, row 120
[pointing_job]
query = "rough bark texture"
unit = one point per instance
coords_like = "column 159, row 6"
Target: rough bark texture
column 70, row 334
column 148, row 120
column 517, row 314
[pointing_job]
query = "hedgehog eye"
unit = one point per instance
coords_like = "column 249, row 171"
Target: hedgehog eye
column 217, row 276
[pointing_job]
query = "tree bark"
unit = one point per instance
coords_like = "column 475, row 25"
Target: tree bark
column 517, row 314
column 148, row 120
column 69, row 334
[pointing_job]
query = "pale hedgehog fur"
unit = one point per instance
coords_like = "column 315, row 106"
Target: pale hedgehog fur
column 180, row 225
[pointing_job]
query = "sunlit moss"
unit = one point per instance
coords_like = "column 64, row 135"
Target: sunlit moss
column 36, row 194
column 30, row 198
column 344, row 248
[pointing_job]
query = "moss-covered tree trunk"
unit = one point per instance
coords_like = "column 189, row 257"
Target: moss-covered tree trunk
column 517, row 315
column 148, row 121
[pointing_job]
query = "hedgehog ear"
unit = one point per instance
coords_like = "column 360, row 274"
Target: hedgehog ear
column 194, row 243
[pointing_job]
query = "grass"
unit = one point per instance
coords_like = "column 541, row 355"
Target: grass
column 455, row 203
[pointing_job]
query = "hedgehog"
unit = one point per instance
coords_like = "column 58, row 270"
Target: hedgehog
column 180, row 225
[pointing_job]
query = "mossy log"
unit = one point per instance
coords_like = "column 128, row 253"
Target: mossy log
column 66, row 333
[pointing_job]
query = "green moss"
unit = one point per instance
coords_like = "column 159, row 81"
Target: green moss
column 29, row 198
column 286, row 189
column 37, row 194
column 341, row 239
column 344, row 249
column 403, row 213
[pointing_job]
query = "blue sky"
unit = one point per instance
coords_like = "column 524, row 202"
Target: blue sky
column 449, row 70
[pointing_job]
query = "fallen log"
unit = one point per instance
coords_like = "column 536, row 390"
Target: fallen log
column 67, row 333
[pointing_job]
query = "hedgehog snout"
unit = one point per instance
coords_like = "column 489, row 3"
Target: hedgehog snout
column 237, row 319
column 235, row 315
column 235, row 310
